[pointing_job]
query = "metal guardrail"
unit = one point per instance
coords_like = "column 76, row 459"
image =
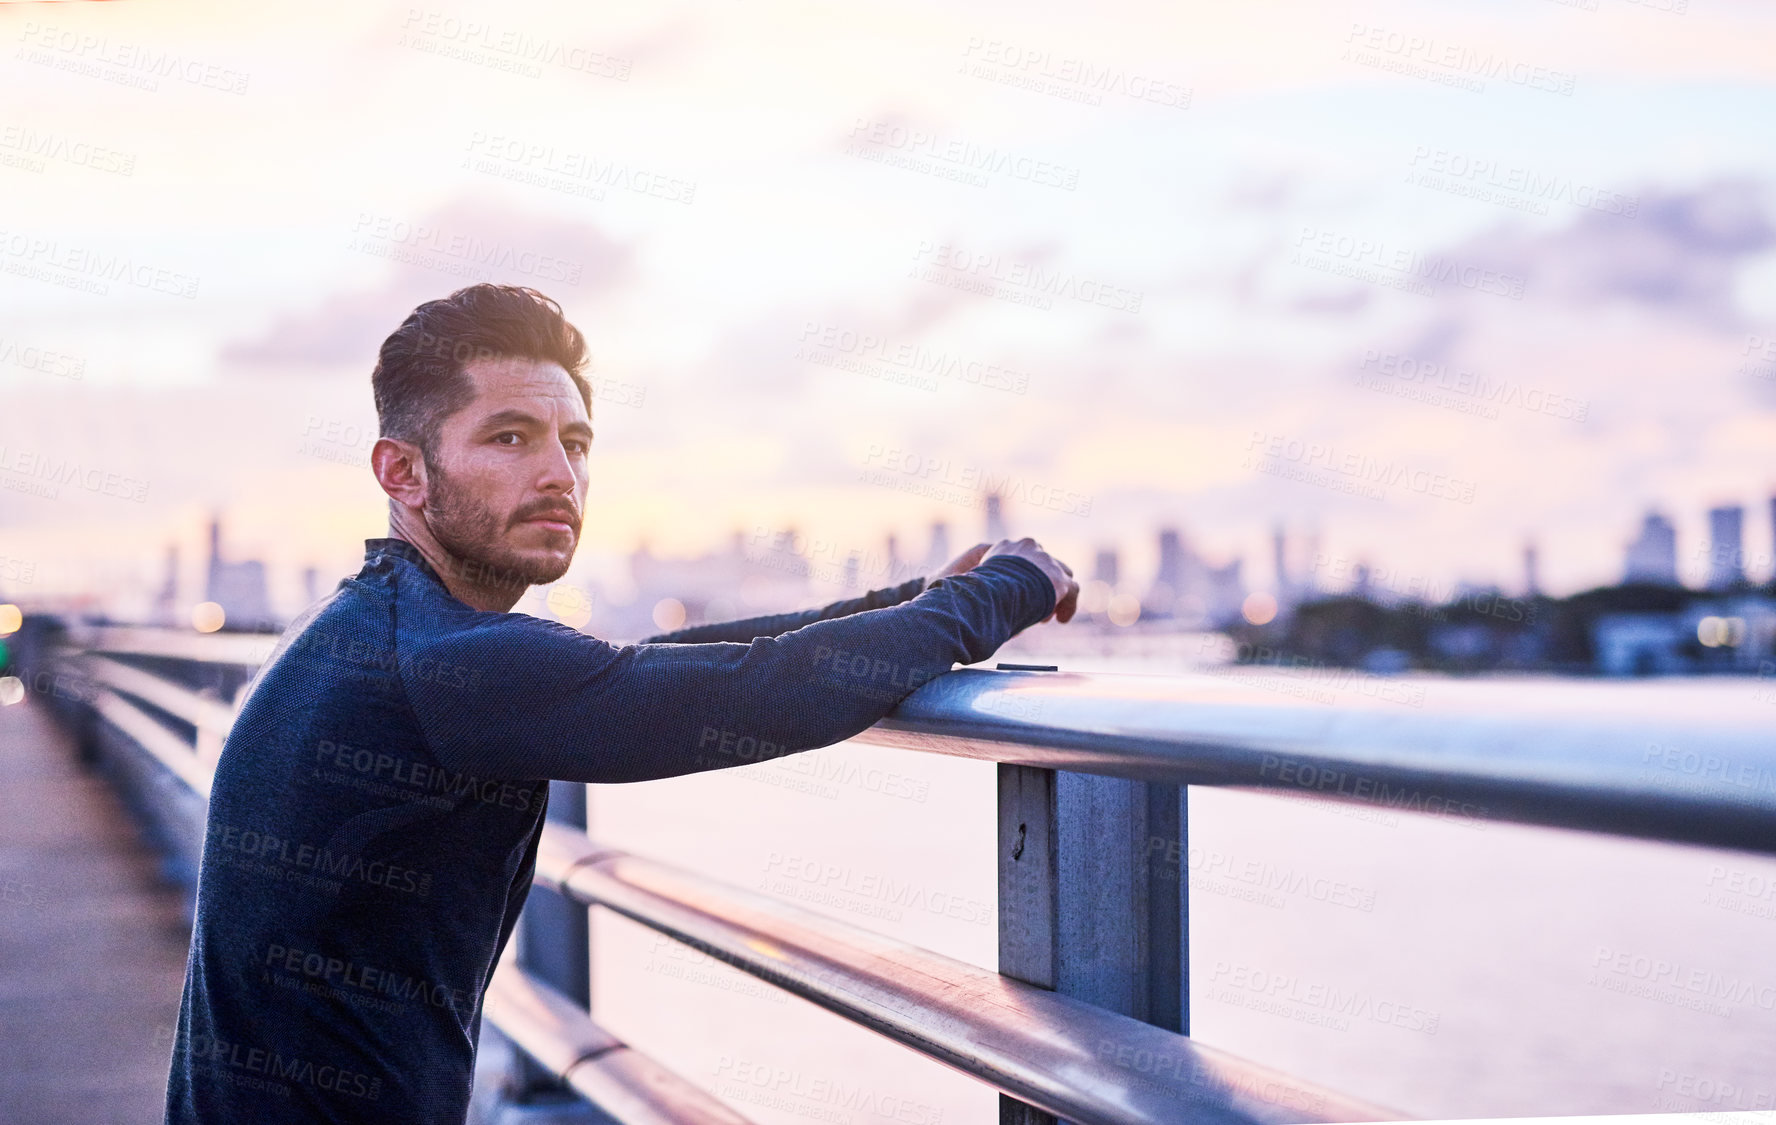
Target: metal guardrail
column 1698, row 772
column 1064, row 1056
column 1053, row 1045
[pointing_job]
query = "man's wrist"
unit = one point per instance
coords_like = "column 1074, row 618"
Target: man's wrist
column 1010, row 564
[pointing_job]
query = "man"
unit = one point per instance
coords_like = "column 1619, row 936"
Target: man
column 375, row 814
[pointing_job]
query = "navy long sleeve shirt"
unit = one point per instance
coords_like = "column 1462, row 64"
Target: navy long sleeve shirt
column 375, row 813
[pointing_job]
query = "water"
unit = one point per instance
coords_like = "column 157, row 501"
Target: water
column 1461, row 969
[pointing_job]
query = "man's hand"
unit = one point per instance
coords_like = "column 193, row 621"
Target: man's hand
column 1059, row 573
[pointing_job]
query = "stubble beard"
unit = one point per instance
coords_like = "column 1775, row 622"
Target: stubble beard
column 465, row 526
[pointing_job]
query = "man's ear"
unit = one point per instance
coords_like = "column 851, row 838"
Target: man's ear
column 401, row 471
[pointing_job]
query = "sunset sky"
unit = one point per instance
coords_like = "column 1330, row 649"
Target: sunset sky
column 1427, row 280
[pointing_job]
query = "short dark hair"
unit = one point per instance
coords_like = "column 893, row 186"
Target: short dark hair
column 419, row 379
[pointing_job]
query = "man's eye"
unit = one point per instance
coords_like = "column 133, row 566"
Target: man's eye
column 501, row 438
column 577, row 446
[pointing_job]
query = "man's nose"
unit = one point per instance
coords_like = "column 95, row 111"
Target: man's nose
column 557, row 473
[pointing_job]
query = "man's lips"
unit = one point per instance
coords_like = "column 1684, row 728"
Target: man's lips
column 552, row 519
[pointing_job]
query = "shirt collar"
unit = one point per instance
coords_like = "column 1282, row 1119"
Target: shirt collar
column 403, row 549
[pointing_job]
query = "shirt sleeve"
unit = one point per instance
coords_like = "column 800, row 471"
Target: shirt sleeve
column 528, row 698
column 776, row 625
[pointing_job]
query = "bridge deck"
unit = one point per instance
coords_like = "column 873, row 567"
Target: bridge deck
column 92, row 942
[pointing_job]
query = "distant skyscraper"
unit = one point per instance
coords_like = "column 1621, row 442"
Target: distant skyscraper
column 1653, row 556
column 940, row 545
column 1308, row 575
column 1726, row 547
column 1532, row 577
column 1189, row 588
column 995, row 518
column 1107, row 567
column 238, row 587
column 166, row 602
column 1279, row 550
column 852, row 564
column 1360, row 579
column 1169, row 581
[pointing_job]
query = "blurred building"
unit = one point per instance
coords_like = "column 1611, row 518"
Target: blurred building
column 939, row 554
column 166, row 600
column 1107, row 566
column 1652, row 557
column 995, row 518
column 238, row 587
column 1189, row 588
column 1726, row 547
column 1532, row 571
column 762, row 573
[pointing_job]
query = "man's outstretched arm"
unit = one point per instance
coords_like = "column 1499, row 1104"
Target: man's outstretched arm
column 545, row 701
column 775, row 625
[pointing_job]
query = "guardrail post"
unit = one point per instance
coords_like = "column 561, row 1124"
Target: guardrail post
column 1093, row 896
column 554, row 945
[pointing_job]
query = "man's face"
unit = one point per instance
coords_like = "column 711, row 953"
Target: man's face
column 506, row 481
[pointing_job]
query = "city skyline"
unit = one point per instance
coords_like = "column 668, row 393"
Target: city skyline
column 1442, row 320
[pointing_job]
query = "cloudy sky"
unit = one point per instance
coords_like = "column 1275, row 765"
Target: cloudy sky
column 1425, row 281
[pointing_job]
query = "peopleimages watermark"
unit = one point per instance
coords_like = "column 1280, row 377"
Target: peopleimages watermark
column 569, row 171
column 1333, row 781
column 905, row 362
column 1308, row 678
column 339, row 441
column 1202, row 1079
column 1682, row 1090
column 1067, row 77
column 1374, row 261
column 1671, row 982
column 455, row 252
column 1707, row 772
column 81, row 268
column 952, row 158
column 1508, row 185
column 739, row 1078
column 21, row 893
column 1255, row 880
column 503, row 48
column 45, row 361
column 1446, row 63
column 380, row 772
column 1324, row 464
column 92, row 55
column 821, row 774
column 678, row 961
column 1740, row 890
column 356, row 983
column 1020, row 283
column 1313, row 1002
column 865, row 892
column 21, row 571
column 39, row 474
column 1760, row 357
column 964, row 483
column 1465, row 392
column 31, row 150
column 308, row 865
column 268, row 1069
column 1427, row 597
